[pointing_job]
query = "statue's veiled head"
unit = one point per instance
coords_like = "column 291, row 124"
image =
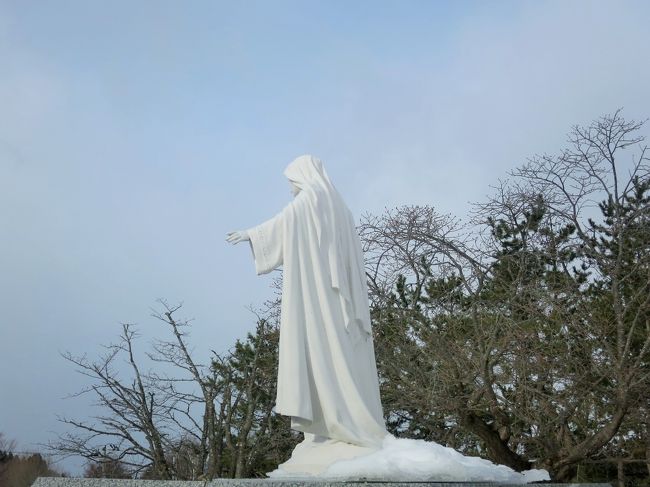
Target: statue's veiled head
column 305, row 170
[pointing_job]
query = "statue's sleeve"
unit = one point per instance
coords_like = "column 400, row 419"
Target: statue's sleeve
column 267, row 242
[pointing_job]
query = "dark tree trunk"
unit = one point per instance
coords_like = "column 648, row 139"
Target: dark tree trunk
column 497, row 448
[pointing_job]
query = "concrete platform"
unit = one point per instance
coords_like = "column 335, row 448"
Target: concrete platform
column 71, row 482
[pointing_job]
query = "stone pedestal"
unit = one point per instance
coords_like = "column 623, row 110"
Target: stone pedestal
column 313, row 455
column 69, row 482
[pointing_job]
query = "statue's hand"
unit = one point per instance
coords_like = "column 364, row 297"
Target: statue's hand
column 238, row 236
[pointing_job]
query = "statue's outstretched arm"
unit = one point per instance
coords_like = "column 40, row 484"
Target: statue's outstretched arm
column 237, row 236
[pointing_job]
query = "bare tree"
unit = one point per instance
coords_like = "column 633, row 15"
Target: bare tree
column 133, row 426
column 183, row 419
column 7, row 448
column 615, row 249
column 107, row 469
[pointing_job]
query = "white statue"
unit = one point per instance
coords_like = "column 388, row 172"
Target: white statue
column 327, row 375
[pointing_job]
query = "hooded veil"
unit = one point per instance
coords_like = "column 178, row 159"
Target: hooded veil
column 327, row 376
column 337, row 237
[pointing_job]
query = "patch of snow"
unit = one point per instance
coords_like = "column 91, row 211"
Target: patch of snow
column 401, row 459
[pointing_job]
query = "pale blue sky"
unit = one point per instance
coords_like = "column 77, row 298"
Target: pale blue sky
column 135, row 134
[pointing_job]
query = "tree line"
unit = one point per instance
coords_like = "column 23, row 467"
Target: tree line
column 21, row 469
column 521, row 335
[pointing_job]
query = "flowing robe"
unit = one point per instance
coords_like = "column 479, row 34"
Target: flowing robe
column 327, row 375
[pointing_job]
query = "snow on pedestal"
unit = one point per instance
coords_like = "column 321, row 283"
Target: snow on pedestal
column 397, row 460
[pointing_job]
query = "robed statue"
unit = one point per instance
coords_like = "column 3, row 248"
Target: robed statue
column 327, row 375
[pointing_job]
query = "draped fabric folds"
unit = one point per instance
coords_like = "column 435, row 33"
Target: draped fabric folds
column 327, row 375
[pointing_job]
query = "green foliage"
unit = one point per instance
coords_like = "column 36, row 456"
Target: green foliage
column 529, row 344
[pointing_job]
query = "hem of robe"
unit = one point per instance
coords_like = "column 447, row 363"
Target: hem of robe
column 305, row 413
column 299, row 423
